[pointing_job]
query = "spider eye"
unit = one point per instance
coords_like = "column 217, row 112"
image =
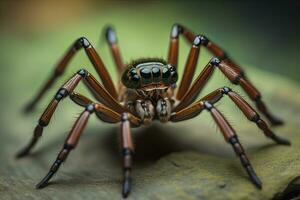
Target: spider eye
column 174, row 77
column 146, row 75
column 131, row 79
column 135, row 81
column 156, row 74
column 166, row 73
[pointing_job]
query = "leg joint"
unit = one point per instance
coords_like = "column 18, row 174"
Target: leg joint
column 215, row 62
column 226, row 90
column 68, row 146
column 200, row 40
column 90, row 108
column 127, row 152
column 176, row 31
column 237, row 79
column 82, row 42
column 208, row 105
column 62, row 92
column 124, row 117
column 233, row 140
column 82, row 72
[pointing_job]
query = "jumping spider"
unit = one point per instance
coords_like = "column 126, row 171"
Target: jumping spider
column 147, row 91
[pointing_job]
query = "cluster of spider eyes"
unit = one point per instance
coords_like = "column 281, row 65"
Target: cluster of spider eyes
column 138, row 77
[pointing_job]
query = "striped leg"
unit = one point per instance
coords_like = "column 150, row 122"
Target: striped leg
column 228, row 133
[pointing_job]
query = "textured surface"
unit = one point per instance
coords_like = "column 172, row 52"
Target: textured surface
column 189, row 160
column 186, row 161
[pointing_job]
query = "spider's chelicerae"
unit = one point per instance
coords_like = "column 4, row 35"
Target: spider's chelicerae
column 147, row 91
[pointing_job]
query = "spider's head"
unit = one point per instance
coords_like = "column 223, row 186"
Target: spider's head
column 149, row 74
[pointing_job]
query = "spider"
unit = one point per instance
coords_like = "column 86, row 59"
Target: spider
column 147, row 91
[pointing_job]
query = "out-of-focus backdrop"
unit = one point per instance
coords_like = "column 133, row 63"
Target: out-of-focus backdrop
column 262, row 36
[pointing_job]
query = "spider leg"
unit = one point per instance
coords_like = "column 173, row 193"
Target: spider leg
column 232, row 75
column 97, row 90
column 61, row 66
column 111, row 38
column 231, row 67
column 247, row 110
column 228, row 133
column 127, row 152
column 106, row 115
column 69, row 144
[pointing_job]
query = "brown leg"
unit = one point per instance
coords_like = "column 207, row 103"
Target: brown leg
column 228, row 133
column 112, row 40
column 127, row 151
column 247, row 110
column 233, row 76
column 99, row 92
column 231, row 67
column 60, row 68
column 70, row 143
column 80, row 99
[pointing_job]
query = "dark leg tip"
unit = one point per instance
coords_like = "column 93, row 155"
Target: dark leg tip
column 254, row 178
column 28, row 108
column 257, row 182
column 22, row 153
column 45, row 181
column 41, row 185
column 276, row 122
column 126, row 188
column 280, row 140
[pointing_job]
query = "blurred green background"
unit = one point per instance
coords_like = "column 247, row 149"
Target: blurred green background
column 262, row 36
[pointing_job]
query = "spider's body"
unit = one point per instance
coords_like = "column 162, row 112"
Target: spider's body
column 147, row 83
column 147, row 91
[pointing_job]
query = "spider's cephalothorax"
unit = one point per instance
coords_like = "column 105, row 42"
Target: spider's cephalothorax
column 149, row 74
column 147, row 82
column 146, row 91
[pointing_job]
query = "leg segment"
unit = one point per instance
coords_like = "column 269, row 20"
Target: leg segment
column 127, row 151
column 70, row 143
column 111, row 38
column 228, row 133
column 97, row 90
column 247, row 110
column 44, row 120
column 231, row 67
column 233, row 76
column 61, row 66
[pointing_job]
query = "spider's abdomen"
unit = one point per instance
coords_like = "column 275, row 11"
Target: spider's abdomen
column 147, row 73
